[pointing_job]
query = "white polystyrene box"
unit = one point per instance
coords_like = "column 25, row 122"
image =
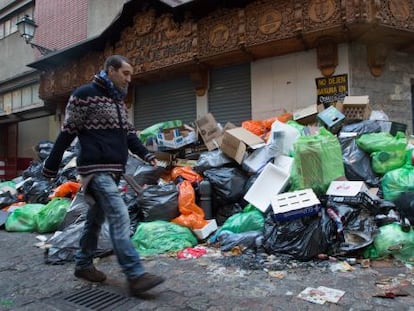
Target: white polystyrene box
column 206, row 230
column 270, row 182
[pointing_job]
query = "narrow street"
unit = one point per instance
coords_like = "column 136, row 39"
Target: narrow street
column 210, row 282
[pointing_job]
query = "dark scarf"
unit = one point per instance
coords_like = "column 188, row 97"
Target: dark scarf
column 102, row 79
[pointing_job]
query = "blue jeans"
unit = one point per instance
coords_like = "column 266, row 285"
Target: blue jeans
column 109, row 203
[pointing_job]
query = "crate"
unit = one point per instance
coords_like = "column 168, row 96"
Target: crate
column 292, row 205
column 362, row 199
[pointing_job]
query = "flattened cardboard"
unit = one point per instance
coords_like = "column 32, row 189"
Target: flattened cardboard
column 210, row 131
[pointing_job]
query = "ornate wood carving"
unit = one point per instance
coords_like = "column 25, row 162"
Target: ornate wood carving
column 153, row 43
column 269, row 20
column 262, row 28
column 218, row 33
column 377, row 55
column 399, row 9
column 396, row 13
column 327, row 56
column 320, row 14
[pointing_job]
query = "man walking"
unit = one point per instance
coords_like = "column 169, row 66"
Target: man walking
column 96, row 114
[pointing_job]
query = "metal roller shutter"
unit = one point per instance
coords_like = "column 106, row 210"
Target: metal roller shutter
column 164, row 101
column 229, row 97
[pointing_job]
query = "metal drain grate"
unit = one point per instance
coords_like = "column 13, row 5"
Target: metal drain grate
column 94, row 299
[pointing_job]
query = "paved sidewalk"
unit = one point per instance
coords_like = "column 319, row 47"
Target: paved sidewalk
column 211, row 282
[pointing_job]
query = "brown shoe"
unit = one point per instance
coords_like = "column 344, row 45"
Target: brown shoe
column 143, row 283
column 90, row 274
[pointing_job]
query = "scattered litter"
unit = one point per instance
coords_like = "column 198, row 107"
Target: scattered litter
column 321, row 295
column 278, row 274
column 341, row 266
column 192, row 252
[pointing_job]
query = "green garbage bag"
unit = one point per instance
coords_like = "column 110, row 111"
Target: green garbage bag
column 51, row 215
column 250, row 219
column 392, row 241
column 155, row 128
column 397, row 181
column 23, row 219
column 382, row 141
column 385, row 161
column 158, row 237
column 8, row 186
column 318, row 161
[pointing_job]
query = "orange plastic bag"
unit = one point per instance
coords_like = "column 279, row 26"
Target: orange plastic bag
column 255, row 126
column 192, row 216
column 69, row 187
column 187, row 173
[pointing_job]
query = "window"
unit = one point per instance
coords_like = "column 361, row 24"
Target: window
column 8, row 26
column 17, row 99
column 7, row 102
column 27, row 96
column 20, row 98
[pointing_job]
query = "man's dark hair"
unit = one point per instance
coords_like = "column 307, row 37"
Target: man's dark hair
column 115, row 61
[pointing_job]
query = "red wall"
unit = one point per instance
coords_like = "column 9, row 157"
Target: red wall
column 61, row 23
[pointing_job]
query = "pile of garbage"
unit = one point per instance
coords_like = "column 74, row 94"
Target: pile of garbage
column 279, row 187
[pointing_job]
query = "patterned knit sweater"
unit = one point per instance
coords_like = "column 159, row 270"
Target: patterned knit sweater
column 103, row 130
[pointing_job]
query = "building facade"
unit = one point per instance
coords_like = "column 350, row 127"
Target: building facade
column 241, row 59
column 25, row 119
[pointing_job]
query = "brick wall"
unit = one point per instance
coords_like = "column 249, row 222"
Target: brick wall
column 61, row 23
column 391, row 92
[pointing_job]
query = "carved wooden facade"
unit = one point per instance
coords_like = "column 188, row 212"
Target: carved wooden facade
column 157, row 45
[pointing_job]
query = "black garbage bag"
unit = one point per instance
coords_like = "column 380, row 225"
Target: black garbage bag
column 302, row 238
column 404, row 204
column 228, row 189
column 358, row 233
column 227, row 183
column 159, row 202
column 76, row 212
column 65, row 244
column 43, row 149
column 245, row 240
column 34, row 170
column 37, row 190
column 357, row 163
column 6, row 199
column 225, row 210
column 363, row 127
column 212, row 159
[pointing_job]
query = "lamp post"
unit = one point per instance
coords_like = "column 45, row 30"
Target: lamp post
column 27, row 27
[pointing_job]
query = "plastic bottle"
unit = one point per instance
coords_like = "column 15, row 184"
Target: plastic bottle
column 205, row 198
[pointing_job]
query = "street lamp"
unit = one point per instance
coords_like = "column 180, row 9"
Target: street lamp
column 27, row 27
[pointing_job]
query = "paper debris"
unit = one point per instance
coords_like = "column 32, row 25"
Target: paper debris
column 321, row 294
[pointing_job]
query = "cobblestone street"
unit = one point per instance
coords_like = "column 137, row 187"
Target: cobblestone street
column 210, row 282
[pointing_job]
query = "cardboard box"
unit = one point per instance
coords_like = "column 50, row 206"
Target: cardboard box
column 176, row 137
column 269, row 183
column 346, row 188
column 355, row 107
column 210, row 131
column 208, row 229
column 237, row 141
column 296, row 204
column 164, row 159
column 308, row 114
column 331, row 118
